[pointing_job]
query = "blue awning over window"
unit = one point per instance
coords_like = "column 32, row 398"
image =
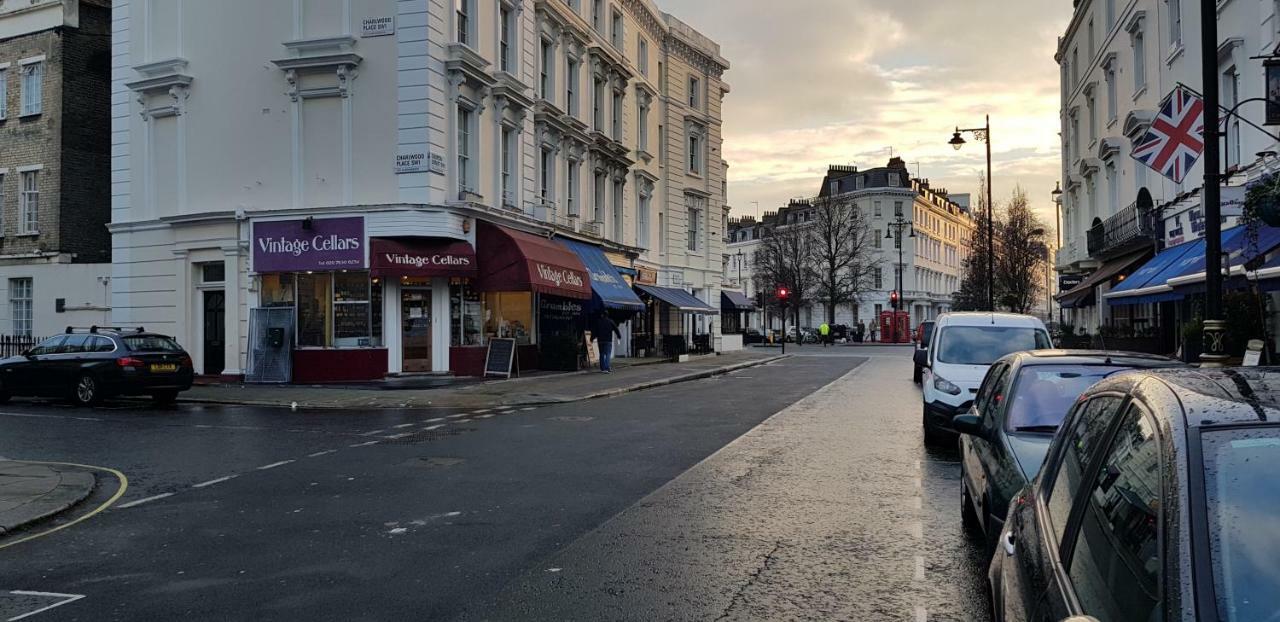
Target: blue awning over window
column 1150, row 282
column 1240, row 250
column 608, row 287
column 678, row 298
column 732, row 301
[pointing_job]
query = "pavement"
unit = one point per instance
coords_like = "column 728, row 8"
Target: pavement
column 534, row 390
column 31, row 492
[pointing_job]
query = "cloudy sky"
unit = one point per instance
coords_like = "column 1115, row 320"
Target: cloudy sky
column 842, row 81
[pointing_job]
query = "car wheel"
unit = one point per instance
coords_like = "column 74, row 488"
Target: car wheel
column 968, row 516
column 164, row 398
column 932, row 437
column 4, row 395
column 918, row 374
column 87, row 392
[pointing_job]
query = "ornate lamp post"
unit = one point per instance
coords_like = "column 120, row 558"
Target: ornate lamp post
column 957, row 141
column 899, row 223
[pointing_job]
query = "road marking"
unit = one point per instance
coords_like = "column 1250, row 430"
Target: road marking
column 374, row 433
column 396, row 437
column 922, row 614
column 274, row 465
column 215, row 481
column 433, row 427
column 67, row 599
column 529, row 409
column 919, row 568
column 917, row 529
column 919, row 502
column 124, row 485
column 484, row 416
column 134, row 504
column 481, row 411
column 322, row 453
column 364, row 444
column 404, row 425
column 435, row 420
column 458, row 416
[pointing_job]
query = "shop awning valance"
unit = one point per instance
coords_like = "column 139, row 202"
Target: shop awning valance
column 680, row 299
column 609, row 287
column 1103, row 274
column 1150, row 282
column 515, row 261
column 1240, row 250
column 421, row 257
column 735, row 301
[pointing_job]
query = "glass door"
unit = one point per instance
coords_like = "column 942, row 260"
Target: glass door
column 415, row 322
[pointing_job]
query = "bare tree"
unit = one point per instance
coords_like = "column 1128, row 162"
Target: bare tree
column 843, row 255
column 785, row 259
column 972, row 294
column 1021, row 255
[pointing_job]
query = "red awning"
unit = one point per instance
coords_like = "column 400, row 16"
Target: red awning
column 514, row 261
column 421, row 257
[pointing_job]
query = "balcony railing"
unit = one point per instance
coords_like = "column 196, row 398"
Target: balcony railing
column 1125, row 230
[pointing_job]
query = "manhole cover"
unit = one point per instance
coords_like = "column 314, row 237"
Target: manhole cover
column 434, row 462
column 572, row 419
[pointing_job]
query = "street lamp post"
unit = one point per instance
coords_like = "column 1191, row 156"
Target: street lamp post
column 1056, row 196
column 1215, row 327
column 957, row 141
column 899, row 223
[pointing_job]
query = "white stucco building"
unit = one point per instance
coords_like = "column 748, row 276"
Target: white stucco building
column 404, row 181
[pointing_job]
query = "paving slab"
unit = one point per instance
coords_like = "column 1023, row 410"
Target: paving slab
column 30, row 492
column 530, row 391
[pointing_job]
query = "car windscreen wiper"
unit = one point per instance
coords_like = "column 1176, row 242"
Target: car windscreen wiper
column 1036, row 428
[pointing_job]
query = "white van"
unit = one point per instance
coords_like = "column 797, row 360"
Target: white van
column 964, row 345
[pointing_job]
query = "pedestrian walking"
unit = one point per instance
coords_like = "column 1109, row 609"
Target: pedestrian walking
column 862, row 331
column 603, row 329
column 824, row 332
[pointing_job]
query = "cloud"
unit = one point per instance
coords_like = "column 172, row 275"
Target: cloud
column 819, row 82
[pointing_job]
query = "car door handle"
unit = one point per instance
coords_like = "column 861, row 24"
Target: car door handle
column 1008, row 543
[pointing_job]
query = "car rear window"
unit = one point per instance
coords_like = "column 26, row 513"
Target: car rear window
column 1243, row 495
column 151, row 343
column 1043, row 394
column 982, row 345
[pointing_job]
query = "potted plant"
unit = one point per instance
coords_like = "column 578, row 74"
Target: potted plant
column 1261, row 205
column 1192, row 340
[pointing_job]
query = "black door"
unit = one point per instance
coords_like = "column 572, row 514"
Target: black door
column 214, row 332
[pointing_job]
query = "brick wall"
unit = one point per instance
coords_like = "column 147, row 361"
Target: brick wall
column 86, row 137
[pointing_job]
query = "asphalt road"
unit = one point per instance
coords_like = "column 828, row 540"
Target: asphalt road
column 797, row 490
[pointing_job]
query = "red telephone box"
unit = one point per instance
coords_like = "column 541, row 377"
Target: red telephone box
column 887, row 334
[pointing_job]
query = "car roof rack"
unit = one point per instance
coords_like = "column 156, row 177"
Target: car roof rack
column 97, row 329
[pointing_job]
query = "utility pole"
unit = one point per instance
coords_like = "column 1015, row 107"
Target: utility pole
column 1215, row 326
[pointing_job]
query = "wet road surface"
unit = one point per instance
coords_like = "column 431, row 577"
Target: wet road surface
column 759, row 495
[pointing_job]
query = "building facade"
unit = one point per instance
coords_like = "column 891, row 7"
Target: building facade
column 393, row 184
column 1119, row 59
column 931, row 259
column 54, row 176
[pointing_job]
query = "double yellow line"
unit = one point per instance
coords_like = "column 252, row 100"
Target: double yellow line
column 124, row 485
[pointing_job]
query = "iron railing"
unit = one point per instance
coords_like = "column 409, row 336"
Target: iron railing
column 1125, row 230
column 14, row 345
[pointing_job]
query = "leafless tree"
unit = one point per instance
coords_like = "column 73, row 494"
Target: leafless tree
column 785, row 259
column 844, row 259
column 1020, row 240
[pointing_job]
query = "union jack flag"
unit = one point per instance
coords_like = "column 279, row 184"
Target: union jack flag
column 1176, row 137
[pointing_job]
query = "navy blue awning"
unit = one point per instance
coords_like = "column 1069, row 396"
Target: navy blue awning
column 1150, row 282
column 735, row 301
column 1240, row 250
column 608, row 287
column 680, row 299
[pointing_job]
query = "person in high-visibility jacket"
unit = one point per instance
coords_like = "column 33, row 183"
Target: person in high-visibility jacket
column 825, row 331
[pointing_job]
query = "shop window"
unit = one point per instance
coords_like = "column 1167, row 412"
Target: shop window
column 215, row 272
column 466, row 309
column 351, row 309
column 276, row 290
column 508, row 315
column 315, row 310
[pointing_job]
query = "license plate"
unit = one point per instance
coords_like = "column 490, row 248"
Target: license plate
column 164, row 368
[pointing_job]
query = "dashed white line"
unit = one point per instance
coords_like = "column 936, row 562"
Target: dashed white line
column 458, row 416
column 529, row 409
column 374, row 433
column 214, row 481
column 274, row 465
column 364, row 444
column 919, row 576
column 917, row 529
column 133, row 504
column 404, row 425
column 68, row 598
column 922, row 614
column 322, row 453
column 481, row 411
column 396, row 437
column 435, row 420
column 484, row 416
column 433, row 427
column 918, row 502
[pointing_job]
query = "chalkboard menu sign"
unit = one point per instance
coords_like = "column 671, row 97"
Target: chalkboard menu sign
column 501, row 358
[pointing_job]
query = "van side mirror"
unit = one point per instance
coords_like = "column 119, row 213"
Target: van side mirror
column 921, row 358
column 968, row 424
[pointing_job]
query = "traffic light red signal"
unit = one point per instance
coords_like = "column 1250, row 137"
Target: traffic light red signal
column 893, row 297
column 783, row 293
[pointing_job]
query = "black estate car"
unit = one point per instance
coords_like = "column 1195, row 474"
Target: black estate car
column 88, row 365
column 1019, row 406
column 1159, row 500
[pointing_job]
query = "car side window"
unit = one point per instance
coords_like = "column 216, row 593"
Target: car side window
column 73, row 344
column 48, row 346
column 1080, row 441
column 99, row 344
column 1115, row 564
column 988, row 387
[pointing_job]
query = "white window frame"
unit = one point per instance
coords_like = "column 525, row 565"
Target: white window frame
column 695, row 92
column 1175, row 24
column 597, row 19
column 619, row 99
column 571, row 86
column 643, row 202
column 1139, row 44
column 547, row 175
column 571, row 187
column 642, row 126
column 29, row 200
column 466, row 140
column 642, row 55
column 697, row 147
column 464, row 16
column 508, row 165
column 598, row 196
column 619, row 210
column 4, row 91
column 597, row 105
column 547, row 61
column 1109, row 73
column 617, row 29
column 506, row 32
column 31, row 84
column 21, row 305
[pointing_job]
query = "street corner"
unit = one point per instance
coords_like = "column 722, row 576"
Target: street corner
column 32, row 491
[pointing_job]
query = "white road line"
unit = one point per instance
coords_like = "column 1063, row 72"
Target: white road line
column 922, row 614
column 139, row 502
column 374, row 433
column 435, row 420
column 433, row 427
column 322, row 453
column 31, row 416
column 274, row 465
column 458, row 416
column 364, row 444
column 481, row 411
column 484, row 416
column 919, row 502
column 529, row 409
column 919, row 568
column 215, row 481
column 404, row 425
column 917, row 530
column 68, row 598
column 396, row 437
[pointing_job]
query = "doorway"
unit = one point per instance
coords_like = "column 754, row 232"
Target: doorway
column 215, row 314
column 415, row 323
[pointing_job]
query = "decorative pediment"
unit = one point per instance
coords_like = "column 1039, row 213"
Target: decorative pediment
column 1135, row 22
column 167, row 79
column 1108, row 148
column 514, row 92
column 1137, row 122
column 471, row 67
column 1088, row 166
column 320, row 55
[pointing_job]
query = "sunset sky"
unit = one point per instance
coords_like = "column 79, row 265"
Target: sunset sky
column 842, row 81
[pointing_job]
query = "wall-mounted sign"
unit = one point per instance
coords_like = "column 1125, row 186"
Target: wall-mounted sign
column 435, row 163
column 309, row 244
column 1273, row 92
column 421, row 257
column 646, row 276
column 1067, row 282
column 377, row 26
column 411, row 161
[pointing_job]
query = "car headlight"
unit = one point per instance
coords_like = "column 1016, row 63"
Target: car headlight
column 944, row 385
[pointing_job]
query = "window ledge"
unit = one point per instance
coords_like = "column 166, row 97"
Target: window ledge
column 1177, row 51
column 30, row 115
column 1139, row 92
column 28, row 234
column 694, row 175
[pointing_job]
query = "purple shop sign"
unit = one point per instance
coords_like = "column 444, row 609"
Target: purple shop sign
column 292, row 246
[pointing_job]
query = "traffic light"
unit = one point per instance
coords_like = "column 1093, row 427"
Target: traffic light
column 893, row 298
column 783, row 294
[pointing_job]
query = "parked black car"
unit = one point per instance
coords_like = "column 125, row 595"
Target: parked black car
column 924, row 333
column 1158, row 501
column 1022, row 401
column 752, row 336
column 89, row 365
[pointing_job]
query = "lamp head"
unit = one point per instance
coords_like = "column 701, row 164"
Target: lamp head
column 957, row 141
